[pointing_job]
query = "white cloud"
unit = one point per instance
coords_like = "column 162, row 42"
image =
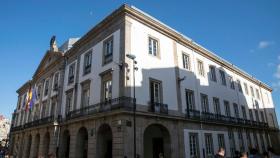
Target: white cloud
column 265, row 44
column 278, row 57
column 276, row 85
column 270, row 64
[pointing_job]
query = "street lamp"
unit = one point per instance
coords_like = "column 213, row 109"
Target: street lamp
column 132, row 57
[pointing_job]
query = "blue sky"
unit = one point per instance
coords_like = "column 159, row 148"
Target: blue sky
column 245, row 32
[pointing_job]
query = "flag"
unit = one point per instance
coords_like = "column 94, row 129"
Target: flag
column 33, row 98
column 28, row 98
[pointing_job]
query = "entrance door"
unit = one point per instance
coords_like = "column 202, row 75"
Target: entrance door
column 157, row 147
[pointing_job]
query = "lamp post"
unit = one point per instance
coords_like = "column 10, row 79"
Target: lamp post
column 132, row 57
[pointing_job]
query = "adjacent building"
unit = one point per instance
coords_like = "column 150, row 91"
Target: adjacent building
column 189, row 101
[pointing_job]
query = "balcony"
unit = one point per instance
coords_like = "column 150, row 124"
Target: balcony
column 125, row 103
column 34, row 123
column 218, row 118
column 158, row 108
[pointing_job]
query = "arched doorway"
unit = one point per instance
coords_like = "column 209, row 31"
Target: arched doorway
column 36, row 145
column 104, row 142
column 65, row 144
column 156, row 141
column 28, row 146
column 82, row 143
column 46, row 144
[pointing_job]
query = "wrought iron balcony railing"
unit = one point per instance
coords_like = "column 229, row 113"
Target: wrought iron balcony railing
column 158, row 108
column 109, row 105
column 218, row 118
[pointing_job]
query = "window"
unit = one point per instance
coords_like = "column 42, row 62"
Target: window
column 231, row 82
column 252, row 91
column 241, row 141
column 209, row 145
column 69, row 96
column 39, row 91
column 256, row 140
column 107, row 89
column 236, row 111
column 55, row 82
column 262, row 116
column 239, row 86
column 227, row 108
column 267, row 97
column 212, row 71
column 216, row 103
column 46, row 91
column 246, row 88
column 257, row 116
column 244, row 112
column 221, row 141
column 257, row 93
column 155, row 91
column 223, row 77
column 190, row 100
column 71, row 73
column 204, row 102
column 194, row 146
column 85, row 94
column 249, row 141
column 186, row 61
column 108, row 50
column 87, row 62
column 200, row 67
column 231, row 141
column 251, row 115
column 153, row 46
column 262, row 142
column 53, row 106
column 44, row 110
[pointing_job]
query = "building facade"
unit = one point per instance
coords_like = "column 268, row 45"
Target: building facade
column 189, row 101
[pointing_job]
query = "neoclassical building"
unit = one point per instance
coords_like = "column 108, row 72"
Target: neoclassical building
column 189, row 101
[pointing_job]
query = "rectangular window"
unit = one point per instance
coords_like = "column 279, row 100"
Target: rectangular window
column 256, row 140
column 46, row 91
column 231, row 141
column 107, row 89
column 236, row 110
column 44, row 110
column 216, row 103
column 246, row 88
column 244, row 112
column 71, row 73
column 258, row 93
column 108, row 50
column 239, row 86
column 186, row 61
column 257, row 116
column 227, row 108
column 262, row 117
column 223, row 77
column 251, row 115
column 155, row 91
column 212, row 71
column 209, row 145
column 194, row 146
column 200, row 67
column 231, row 82
column 190, row 100
column 204, row 102
column 249, row 141
column 53, row 106
column 85, row 95
column 87, row 62
column 69, row 96
column 153, row 46
column 55, row 81
column 241, row 141
column 39, row 92
column 221, row 141
column 252, row 91
column 262, row 142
